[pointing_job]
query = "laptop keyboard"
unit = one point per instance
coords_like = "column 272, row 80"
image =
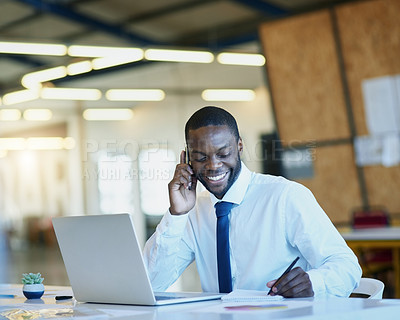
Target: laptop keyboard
column 168, row 297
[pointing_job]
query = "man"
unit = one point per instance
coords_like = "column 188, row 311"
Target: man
column 271, row 222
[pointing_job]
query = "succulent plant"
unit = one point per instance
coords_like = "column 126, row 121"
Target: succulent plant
column 32, row 278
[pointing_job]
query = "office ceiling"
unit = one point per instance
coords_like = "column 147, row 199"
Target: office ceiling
column 202, row 24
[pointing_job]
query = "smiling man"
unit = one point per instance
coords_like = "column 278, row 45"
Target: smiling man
column 247, row 227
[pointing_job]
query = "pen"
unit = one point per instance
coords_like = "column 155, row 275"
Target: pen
column 283, row 274
column 63, row 297
column 6, row 296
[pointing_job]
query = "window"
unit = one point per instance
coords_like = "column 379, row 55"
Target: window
column 156, row 169
column 115, row 183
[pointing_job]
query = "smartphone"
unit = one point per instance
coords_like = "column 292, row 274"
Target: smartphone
column 187, row 158
column 187, row 161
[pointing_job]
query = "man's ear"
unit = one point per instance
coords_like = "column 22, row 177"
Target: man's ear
column 240, row 146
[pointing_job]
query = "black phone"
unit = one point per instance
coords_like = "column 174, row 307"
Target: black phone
column 187, row 158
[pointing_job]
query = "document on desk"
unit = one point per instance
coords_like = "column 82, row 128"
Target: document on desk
column 240, row 295
column 253, row 301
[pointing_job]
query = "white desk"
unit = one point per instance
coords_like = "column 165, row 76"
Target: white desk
column 377, row 238
column 313, row 309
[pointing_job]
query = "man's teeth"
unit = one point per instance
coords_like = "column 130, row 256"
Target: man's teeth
column 216, row 178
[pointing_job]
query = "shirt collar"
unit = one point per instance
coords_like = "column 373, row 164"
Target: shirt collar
column 236, row 192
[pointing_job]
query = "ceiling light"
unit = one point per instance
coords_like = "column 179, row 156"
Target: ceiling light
column 135, row 95
column 34, row 79
column 38, row 114
column 46, row 143
column 12, row 143
column 107, row 114
column 245, row 59
column 10, row 114
column 228, row 95
column 20, row 96
column 108, row 62
column 69, row 143
column 70, row 94
column 98, row 51
column 33, row 48
column 79, row 67
column 179, row 55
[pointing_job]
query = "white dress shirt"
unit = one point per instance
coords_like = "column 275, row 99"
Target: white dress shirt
column 273, row 221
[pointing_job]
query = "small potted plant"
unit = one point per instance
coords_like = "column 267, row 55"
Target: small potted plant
column 33, row 287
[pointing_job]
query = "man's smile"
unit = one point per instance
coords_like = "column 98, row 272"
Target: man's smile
column 218, row 177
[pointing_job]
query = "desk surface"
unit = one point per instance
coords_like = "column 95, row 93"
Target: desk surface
column 334, row 308
column 389, row 233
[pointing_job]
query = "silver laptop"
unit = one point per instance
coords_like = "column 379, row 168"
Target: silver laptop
column 104, row 262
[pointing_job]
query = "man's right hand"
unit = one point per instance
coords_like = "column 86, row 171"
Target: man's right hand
column 182, row 188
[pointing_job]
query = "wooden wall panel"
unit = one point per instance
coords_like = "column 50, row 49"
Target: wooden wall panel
column 383, row 187
column 304, row 78
column 308, row 95
column 335, row 183
column 370, row 39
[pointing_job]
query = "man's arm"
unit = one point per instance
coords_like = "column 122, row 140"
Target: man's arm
column 334, row 267
column 166, row 254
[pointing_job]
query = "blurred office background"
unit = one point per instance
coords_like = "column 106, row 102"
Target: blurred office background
column 305, row 113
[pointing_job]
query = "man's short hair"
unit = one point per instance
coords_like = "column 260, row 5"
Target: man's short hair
column 211, row 116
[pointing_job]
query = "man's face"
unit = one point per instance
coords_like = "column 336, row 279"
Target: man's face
column 215, row 157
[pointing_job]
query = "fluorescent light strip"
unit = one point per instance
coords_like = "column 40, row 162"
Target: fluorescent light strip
column 34, row 79
column 38, row 114
column 108, row 114
column 20, row 96
column 179, row 55
column 33, row 48
column 99, row 51
column 228, row 95
column 69, row 143
column 36, row 143
column 70, row 94
column 79, row 67
column 10, row 114
column 47, row 143
column 245, row 59
column 108, row 62
column 135, row 95
column 12, row 144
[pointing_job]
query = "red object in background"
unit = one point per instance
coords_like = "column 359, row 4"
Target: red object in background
column 373, row 218
column 370, row 219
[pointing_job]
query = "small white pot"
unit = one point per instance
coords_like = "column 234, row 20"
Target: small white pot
column 33, row 291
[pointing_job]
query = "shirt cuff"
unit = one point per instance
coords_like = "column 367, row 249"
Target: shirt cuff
column 317, row 282
column 172, row 225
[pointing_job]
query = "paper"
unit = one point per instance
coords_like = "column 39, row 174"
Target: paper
column 368, row 150
column 256, row 307
column 252, row 307
column 382, row 105
column 381, row 149
column 391, row 150
column 249, row 295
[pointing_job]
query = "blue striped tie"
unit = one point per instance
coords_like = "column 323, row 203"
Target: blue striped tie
column 222, row 210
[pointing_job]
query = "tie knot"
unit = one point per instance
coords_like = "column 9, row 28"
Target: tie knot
column 223, row 208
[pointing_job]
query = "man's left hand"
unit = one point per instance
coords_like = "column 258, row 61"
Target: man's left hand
column 295, row 284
